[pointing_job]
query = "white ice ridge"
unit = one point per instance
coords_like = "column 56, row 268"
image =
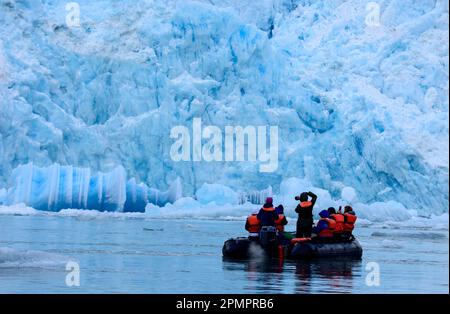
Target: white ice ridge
column 356, row 104
column 57, row 187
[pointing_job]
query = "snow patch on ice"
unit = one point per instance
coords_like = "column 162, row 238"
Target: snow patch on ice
column 18, row 209
column 188, row 207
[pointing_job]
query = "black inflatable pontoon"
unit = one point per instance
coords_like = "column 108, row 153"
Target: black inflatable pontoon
column 270, row 245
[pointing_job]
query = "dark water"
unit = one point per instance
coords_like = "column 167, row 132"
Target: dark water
column 126, row 255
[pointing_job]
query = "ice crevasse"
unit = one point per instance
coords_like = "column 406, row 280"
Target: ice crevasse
column 86, row 111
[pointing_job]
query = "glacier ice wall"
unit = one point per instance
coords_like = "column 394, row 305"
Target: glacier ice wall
column 356, row 105
column 59, row 187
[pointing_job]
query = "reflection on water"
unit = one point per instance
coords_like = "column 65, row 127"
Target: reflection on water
column 336, row 275
column 310, row 276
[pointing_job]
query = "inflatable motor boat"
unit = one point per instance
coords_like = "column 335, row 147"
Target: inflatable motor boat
column 272, row 244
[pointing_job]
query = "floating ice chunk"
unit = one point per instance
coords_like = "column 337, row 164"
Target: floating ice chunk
column 18, row 210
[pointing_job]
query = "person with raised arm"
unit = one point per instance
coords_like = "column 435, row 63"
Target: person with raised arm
column 305, row 214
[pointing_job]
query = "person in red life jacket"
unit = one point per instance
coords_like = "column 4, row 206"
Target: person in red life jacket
column 349, row 219
column 339, row 218
column 252, row 225
column 281, row 221
column 267, row 215
column 305, row 217
column 325, row 226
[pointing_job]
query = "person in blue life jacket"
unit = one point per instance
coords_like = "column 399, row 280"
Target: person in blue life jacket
column 279, row 209
column 281, row 221
column 325, row 226
column 267, row 215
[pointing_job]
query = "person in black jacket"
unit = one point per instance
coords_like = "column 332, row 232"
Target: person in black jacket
column 305, row 215
column 267, row 214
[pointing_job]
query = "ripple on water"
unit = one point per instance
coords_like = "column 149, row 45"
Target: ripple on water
column 411, row 235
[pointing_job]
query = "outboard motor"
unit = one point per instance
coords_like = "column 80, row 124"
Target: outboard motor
column 268, row 236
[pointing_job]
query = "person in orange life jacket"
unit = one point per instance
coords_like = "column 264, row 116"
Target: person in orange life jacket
column 252, row 225
column 325, row 225
column 331, row 210
column 349, row 210
column 349, row 219
column 281, row 221
column 267, row 215
column 305, row 216
column 338, row 217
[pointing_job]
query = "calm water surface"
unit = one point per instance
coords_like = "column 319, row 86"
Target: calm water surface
column 126, row 255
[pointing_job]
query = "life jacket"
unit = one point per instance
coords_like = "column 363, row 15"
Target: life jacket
column 328, row 232
column 339, row 218
column 268, row 209
column 349, row 224
column 305, row 204
column 253, row 224
column 278, row 223
column 299, row 240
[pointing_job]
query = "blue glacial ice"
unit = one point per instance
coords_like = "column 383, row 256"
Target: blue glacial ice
column 357, row 106
column 60, row 187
